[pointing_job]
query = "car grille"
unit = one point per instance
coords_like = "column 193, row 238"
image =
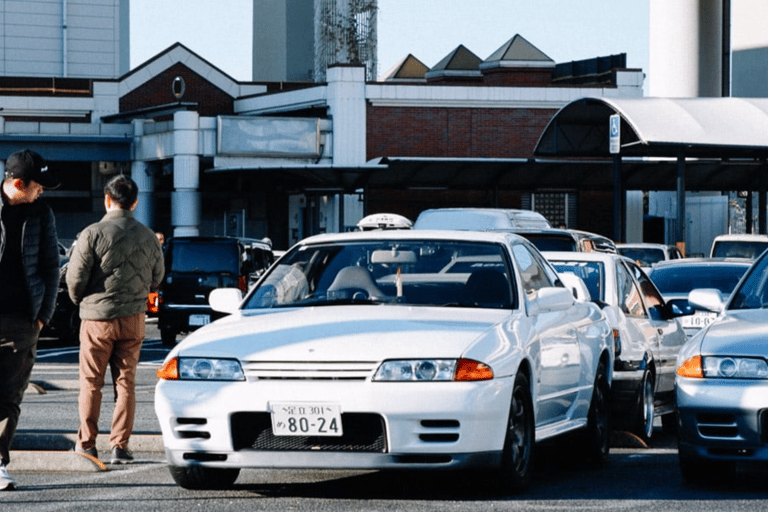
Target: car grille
column 276, row 370
column 363, row 432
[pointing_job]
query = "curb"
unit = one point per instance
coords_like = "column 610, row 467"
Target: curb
column 55, row 461
column 52, row 442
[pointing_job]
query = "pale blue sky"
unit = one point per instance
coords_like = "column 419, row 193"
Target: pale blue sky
column 220, row 30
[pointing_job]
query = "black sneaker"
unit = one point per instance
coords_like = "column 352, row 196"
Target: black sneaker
column 121, row 456
column 90, row 451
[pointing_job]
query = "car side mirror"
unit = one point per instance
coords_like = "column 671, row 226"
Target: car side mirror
column 706, row 299
column 225, row 300
column 552, row 299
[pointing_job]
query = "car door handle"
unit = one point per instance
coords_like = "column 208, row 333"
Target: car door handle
column 661, row 331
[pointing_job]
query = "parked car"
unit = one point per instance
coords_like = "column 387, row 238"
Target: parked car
column 722, row 381
column 647, row 254
column 676, row 278
column 389, row 350
column 479, row 219
column 738, row 246
column 196, row 265
column 589, row 242
column 646, row 331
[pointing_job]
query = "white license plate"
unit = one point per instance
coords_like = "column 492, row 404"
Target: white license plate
column 698, row 320
column 306, row 419
column 198, row 320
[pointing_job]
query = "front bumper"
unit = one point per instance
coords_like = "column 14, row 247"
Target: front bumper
column 722, row 419
column 441, row 425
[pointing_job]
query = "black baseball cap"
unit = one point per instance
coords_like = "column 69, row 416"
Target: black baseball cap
column 27, row 165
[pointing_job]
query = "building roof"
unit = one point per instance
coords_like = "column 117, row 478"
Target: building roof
column 518, row 52
column 408, row 69
column 460, row 62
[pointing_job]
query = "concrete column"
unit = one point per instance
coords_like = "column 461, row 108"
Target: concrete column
column 145, row 209
column 185, row 198
column 685, row 42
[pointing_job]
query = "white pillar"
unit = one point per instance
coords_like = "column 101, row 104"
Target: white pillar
column 684, row 59
column 185, row 198
column 145, row 209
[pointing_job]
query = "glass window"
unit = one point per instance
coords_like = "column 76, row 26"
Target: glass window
column 629, row 296
column 533, row 272
column 410, row 272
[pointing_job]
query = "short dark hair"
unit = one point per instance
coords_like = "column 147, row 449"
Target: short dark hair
column 122, row 190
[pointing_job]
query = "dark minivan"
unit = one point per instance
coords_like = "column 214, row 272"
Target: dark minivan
column 196, row 265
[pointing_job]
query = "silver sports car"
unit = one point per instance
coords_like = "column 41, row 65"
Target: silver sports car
column 722, row 380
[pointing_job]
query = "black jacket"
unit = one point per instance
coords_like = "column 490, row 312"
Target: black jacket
column 40, row 256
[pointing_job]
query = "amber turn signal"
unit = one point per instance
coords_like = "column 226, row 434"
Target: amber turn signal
column 468, row 370
column 691, row 368
column 169, row 371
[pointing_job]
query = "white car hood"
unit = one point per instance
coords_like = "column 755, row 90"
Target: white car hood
column 344, row 333
column 739, row 332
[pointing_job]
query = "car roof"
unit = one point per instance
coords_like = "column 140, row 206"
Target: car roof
column 583, row 256
column 703, row 261
column 407, row 234
column 644, row 245
column 743, row 237
column 481, row 218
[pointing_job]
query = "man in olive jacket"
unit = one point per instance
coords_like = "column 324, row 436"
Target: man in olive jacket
column 114, row 265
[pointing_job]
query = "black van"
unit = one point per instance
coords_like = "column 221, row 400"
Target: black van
column 196, row 265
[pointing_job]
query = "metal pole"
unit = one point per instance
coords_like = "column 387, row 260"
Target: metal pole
column 680, row 228
column 618, row 214
column 762, row 203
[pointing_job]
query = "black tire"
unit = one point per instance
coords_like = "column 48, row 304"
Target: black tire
column 597, row 434
column 642, row 424
column 168, row 337
column 517, row 457
column 203, row 478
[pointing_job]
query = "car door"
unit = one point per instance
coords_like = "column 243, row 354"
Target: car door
column 559, row 362
column 670, row 334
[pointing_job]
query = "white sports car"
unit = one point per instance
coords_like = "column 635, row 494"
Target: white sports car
column 386, row 350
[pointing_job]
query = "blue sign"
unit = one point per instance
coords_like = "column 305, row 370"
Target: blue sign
column 614, row 134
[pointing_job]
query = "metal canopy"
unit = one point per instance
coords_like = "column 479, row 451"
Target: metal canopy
column 723, row 128
column 730, row 133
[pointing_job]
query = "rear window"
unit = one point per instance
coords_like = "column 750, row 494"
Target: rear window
column 645, row 257
column 548, row 242
column 213, row 257
column 683, row 279
column 738, row 249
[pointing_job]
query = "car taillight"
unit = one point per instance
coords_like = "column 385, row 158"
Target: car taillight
column 153, row 302
column 242, row 283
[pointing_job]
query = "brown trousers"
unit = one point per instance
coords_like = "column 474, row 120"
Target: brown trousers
column 117, row 343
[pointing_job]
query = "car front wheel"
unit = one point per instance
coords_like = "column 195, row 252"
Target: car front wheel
column 597, row 435
column 202, row 478
column 515, row 473
column 643, row 424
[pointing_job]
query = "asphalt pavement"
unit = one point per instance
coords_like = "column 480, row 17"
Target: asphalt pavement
column 49, row 420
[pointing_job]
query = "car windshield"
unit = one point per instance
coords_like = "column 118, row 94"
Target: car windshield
column 591, row 272
column 411, row 272
column 194, row 256
column 753, row 290
column 645, row 257
column 684, row 278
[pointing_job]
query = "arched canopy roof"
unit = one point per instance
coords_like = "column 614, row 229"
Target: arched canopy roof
column 721, row 128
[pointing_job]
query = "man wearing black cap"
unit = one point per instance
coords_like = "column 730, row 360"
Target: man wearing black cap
column 29, row 278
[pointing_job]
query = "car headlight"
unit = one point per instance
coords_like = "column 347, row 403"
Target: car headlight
column 724, row 367
column 201, row 368
column 432, row 370
column 735, row 367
